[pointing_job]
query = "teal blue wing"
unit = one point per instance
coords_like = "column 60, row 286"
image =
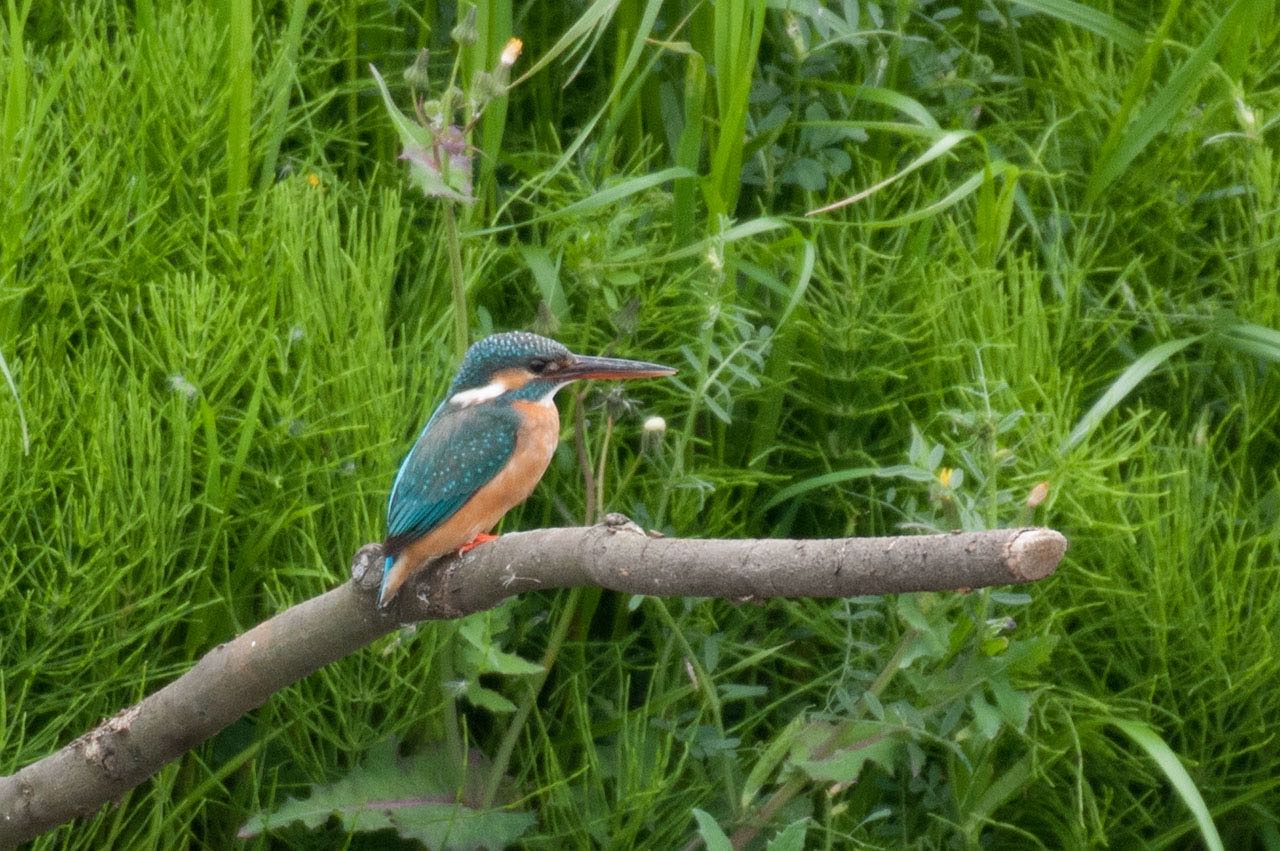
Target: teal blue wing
column 457, row 453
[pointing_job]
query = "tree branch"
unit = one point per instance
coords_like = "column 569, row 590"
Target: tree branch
column 243, row 673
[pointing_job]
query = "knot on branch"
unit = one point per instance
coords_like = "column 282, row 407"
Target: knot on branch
column 106, row 745
column 366, row 567
column 614, row 523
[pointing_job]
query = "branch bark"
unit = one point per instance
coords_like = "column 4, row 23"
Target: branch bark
column 240, row 675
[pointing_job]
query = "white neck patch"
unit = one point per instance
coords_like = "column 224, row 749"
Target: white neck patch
column 491, row 391
column 476, row 395
column 550, row 399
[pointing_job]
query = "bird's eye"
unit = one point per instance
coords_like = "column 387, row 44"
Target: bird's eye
column 538, row 366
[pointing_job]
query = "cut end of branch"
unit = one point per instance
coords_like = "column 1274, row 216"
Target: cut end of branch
column 1035, row 553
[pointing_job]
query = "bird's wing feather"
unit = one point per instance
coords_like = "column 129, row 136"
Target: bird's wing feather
column 457, row 453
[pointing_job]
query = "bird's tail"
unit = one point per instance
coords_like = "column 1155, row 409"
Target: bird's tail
column 387, row 591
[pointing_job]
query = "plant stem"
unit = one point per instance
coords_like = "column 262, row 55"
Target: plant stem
column 449, row 703
column 797, row 781
column 604, row 454
column 457, row 284
column 584, row 459
column 707, row 687
column 503, row 757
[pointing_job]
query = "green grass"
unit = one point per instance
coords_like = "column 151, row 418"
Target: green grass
column 224, row 314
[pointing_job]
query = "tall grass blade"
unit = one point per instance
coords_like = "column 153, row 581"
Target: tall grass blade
column 1164, row 757
column 736, row 233
column 963, row 190
column 1251, row 339
column 897, row 471
column 738, row 28
column 1167, row 104
column 283, row 81
column 1122, row 387
column 15, row 103
column 689, row 147
column 1086, row 17
column 494, row 23
column 944, row 143
column 239, row 100
column 613, row 194
column 17, row 401
column 577, row 36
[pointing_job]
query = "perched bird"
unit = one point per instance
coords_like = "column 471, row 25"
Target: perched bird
column 485, row 447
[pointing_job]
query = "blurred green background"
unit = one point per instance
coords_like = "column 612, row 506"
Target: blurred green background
column 1053, row 257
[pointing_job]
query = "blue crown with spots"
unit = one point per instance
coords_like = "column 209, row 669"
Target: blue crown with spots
column 502, row 351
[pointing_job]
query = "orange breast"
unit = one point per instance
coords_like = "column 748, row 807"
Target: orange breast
column 535, row 445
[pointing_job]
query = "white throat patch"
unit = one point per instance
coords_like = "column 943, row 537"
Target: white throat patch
column 550, row 399
column 476, row 395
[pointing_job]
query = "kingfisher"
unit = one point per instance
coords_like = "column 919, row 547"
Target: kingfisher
column 485, row 448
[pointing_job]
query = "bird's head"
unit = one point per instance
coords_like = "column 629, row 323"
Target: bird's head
column 521, row 366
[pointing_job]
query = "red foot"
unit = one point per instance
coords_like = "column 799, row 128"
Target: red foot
column 482, row 538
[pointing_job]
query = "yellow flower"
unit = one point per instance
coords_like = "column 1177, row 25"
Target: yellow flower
column 313, row 179
column 944, row 476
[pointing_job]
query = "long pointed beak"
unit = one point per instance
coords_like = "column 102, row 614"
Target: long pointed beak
column 611, row 368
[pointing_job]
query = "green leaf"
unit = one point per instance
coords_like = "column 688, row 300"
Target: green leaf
column 790, row 838
column 443, row 826
column 772, row 757
column 1014, row 705
column 486, row 698
column 713, row 836
column 857, row 743
column 908, row 106
column 1167, row 761
column 995, row 646
column 481, row 649
column 984, row 716
column 546, row 274
column 1011, row 598
column 418, row 796
column 411, row 133
column 454, row 180
column 509, row 664
column 931, row 640
column 806, row 173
